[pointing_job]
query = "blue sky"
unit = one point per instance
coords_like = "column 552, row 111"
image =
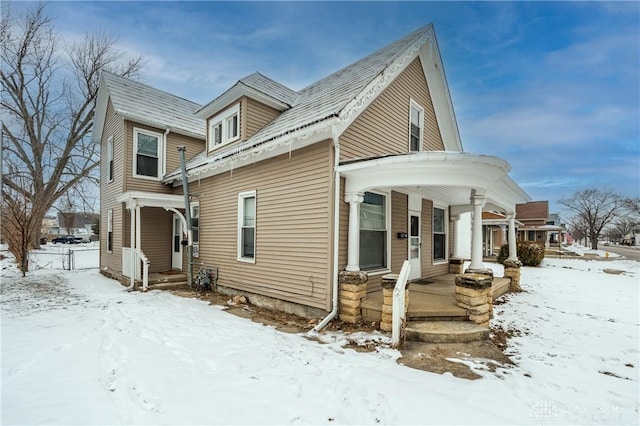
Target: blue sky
column 551, row 87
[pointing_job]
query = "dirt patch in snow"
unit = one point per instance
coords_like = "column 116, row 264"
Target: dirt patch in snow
column 464, row 360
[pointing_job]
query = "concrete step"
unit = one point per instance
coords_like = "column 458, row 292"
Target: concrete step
column 172, row 285
column 445, row 331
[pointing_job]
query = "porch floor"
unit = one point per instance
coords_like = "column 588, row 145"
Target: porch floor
column 435, row 301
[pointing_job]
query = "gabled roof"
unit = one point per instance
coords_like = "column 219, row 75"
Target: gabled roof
column 338, row 99
column 146, row 105
column 331, row 95
column 255, row 86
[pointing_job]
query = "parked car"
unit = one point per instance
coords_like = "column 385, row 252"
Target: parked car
column 67, row 239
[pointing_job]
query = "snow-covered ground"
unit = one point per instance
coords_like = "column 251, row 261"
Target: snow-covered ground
column 77, row 349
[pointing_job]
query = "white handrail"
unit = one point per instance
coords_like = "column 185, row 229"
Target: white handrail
column 145, row 268
column 398, row 312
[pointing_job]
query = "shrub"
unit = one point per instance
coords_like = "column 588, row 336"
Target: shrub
column 529, row 253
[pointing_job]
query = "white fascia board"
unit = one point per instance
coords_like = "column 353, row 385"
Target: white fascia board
column 285, row 144
column 235, row 93
column 440, row 96
column 100, row 112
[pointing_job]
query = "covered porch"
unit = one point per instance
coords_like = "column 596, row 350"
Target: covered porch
column 448, row 185
column 431, row 299
column 156, row 237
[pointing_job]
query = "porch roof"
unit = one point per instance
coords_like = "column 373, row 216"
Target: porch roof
column 151, row 199
column 444, row 175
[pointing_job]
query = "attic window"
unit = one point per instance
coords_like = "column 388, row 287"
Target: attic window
column 224, row 127
column 416, row 119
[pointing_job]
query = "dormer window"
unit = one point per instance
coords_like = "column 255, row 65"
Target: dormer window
column 224, row 127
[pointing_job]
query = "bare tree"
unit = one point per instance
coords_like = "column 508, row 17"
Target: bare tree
column 633, row 207
column 590, row 210
column 49, row 91
column 67, row 209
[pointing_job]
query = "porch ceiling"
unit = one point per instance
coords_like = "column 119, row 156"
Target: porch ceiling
column 151, row 199
column 439, row 175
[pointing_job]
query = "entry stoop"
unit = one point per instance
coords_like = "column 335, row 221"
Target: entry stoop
column 445, row 331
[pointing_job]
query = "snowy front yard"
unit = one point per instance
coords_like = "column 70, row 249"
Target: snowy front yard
column 77, row 349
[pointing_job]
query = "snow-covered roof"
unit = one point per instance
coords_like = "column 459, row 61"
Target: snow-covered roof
column 335, row 96
column 256, row 86
column 145, row 104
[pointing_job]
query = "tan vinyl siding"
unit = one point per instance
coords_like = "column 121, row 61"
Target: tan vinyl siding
column 256, row 115
column 293, row 216
column 399, row 223
column 383, row 128
column 109, row 191
column 156, row 238
column 429, row 269
column 172, row 159
column 343, row 232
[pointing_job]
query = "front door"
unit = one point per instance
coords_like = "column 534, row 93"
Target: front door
column 414, row 245
column 176, row 243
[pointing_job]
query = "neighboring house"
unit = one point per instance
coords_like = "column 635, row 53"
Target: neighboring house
column 356, row 172
column 537, row 224
column 494, row 234
column 74, row 223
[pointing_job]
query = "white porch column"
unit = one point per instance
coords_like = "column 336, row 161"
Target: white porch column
column 132, row 241
column 478, row 202
column 353, row 248
column 513, row 252
column 455, row 219
column 138, row 226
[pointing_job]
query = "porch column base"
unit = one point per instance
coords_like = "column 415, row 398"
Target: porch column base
column 353, row 288
column 483, row 271
column 512, row 270
column 456, row 265
column 388, row 284
column 474, row 292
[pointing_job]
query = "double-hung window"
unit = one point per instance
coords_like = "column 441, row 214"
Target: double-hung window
column 439, row 234
column 224, row 127
column 110, row 158
column 416, row 120
column 373, row 231
column 110, row 230
column 247, row 226
column 148, row 154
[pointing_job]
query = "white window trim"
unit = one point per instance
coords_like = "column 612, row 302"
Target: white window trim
column 161, row 154
column 387, row 220
column 110, row 161
column 241, row 197
column 223, row 118
column 416, row 105
column 110, row 229
column 446, row 234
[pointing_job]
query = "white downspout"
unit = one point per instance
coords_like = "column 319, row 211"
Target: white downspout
column 336, row 232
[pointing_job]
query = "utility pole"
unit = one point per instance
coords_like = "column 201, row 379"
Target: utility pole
column 187, row 215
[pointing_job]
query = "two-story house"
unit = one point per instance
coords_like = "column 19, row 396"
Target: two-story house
column 356, row 172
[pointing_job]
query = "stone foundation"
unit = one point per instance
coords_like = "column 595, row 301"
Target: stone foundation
column 456, row 266
column 388, row 284
column 512, row 270
column 474, row 293
column 353, row 288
